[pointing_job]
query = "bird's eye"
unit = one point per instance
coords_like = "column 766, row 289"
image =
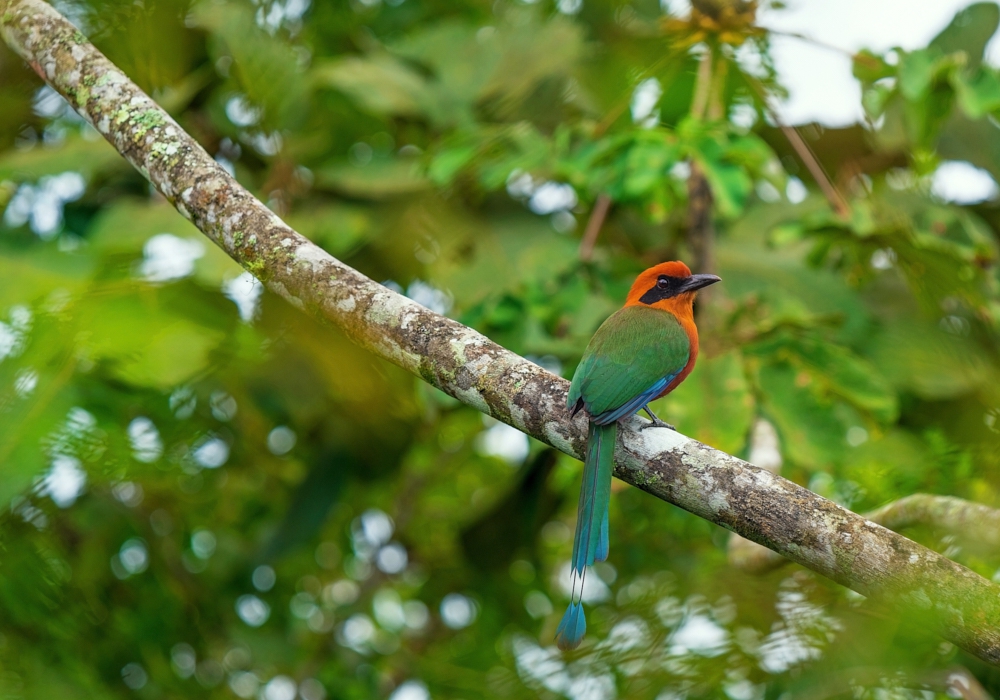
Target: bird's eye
column 663, row 283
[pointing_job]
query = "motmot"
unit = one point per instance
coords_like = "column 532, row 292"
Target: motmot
column 642, row 352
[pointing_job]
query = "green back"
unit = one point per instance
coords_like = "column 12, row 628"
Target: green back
column 636, row 347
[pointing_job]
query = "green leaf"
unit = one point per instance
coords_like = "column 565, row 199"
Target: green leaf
column 338, row 228
column 887, row 465
column 969, row 32
column 266, row 67
column 30, row 275
column 447, row 163
column 875, row 99
column 85, row 156
column 790, row 289
column 811, row 424
column 500, row 69
column 30, row 412
column 917, row 356
column 730, row 186
column 379, row 84
column 121, row 232
column 840, row 372
column 917, row 70
column 980, row 94
column 976, row 141
column 869, row 67
column 125, row 227
column 646, row 166
column 380, row 179
column 516, row 252
column 146, row 344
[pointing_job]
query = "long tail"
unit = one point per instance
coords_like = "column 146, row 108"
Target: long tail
column 590, row 543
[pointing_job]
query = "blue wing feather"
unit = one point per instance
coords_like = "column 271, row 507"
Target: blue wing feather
column 633, row 405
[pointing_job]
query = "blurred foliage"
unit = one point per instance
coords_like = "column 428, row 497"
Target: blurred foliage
column 209, row 499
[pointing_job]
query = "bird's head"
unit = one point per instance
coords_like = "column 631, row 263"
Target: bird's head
column 669, row 286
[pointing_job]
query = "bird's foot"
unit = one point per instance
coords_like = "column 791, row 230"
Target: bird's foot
column 656, row 422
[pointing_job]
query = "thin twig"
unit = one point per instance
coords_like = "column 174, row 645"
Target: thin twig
column 716, row 100
column 594, row 224
column 623, row 103
column 833, row 195
column 830, row 191
column 700, row 227
column 700, row 232
column 702, row 85
column 812, row 40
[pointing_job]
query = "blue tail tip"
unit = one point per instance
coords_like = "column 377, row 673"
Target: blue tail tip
column 572, row 627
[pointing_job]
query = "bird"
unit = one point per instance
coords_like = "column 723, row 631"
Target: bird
column 641, row 352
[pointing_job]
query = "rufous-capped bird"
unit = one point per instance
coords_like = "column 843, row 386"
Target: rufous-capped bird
column 642, row 352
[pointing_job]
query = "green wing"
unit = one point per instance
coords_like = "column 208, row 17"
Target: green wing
column 634, row 350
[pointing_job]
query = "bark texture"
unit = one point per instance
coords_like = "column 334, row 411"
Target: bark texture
column 969, row 525
column 963, row 606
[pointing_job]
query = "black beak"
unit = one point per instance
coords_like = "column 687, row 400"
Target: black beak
column 696, row 282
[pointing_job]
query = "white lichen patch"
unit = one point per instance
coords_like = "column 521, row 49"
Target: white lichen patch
column 553, row 433
column 315, row 257
column 753, row 477
column 347, row 304
column 465, row 339
column 718, row 501
column 654, row 441
column 275, row 219
column 389, row 308
column 479, row 366
column 869, row 548
column 473, row 398
column 394, row 353
column 214, row 183
column 518, row 416
column 229, row 223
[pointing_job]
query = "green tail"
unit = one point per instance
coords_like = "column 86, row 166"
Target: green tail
column 590, row 543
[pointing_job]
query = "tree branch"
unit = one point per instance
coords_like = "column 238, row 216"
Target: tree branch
column 963, row 606
column 969, row 522
column 594, row 224
column 700, row 232
column 973, row 524
column 833, row 195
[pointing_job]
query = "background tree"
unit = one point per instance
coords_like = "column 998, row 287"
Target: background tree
column 239, row 463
